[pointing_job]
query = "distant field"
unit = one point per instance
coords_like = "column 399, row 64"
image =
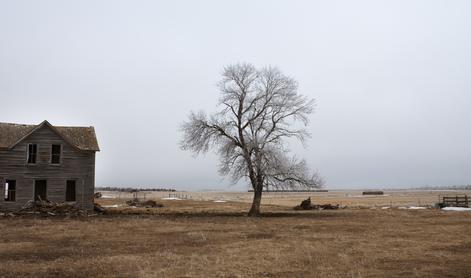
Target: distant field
column 349, row 198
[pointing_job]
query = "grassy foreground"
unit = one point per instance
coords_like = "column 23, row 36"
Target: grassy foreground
column 206, row 239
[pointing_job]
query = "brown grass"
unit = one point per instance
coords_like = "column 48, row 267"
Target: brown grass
column 206, row 239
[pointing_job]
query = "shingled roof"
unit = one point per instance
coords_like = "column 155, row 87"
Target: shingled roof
column 82, row 138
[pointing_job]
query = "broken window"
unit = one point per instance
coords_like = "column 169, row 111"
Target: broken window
column 10, row 191
column 70, row 191
column 56, row 154
column 32, row 153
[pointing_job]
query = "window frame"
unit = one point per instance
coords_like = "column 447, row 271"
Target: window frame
column 52, row 155
column 28, row 153
column 7, row 195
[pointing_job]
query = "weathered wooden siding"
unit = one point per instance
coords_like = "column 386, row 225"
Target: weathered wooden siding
column 75, row 165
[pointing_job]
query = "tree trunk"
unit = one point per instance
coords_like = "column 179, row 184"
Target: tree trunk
column 257, row 198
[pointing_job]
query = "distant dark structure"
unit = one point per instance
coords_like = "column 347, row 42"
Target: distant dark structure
column 45, row 162
column 373, row 192
column 454, row 201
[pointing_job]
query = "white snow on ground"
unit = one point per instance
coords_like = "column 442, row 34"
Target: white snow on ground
column 385, row 208
column 107, row 197
column 456, row 209
column 111, row 206
column 417, row 208
column 171, row 198
column 219, row 201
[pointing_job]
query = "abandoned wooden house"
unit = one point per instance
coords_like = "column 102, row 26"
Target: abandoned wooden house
column 46, row 162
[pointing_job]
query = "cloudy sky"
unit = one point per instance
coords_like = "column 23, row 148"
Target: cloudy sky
column 392, row 80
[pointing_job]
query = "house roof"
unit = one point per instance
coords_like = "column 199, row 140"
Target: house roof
column 82, row 138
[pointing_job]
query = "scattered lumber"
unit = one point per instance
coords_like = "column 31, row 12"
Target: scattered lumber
column 98, row 208
column 49, row 208
column 97, row 195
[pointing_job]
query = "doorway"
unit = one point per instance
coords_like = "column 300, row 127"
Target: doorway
column 40, row 190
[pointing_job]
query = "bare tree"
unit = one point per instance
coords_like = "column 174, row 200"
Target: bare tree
column 259, row 110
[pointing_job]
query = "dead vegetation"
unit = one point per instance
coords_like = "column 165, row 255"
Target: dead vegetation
column 206, row 239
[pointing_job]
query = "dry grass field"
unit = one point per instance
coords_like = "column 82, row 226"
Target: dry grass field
column 355, row 199
column 190, row 238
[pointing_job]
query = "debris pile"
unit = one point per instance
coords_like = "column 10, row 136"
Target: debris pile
column 97, row 195
column 49, row 208
column 143, row 204
column 308, row 205
column 98, row 208
column 329, row 206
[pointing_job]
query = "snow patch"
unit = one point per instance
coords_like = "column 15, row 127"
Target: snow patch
column 107, row 197
column 111, row 206
column 417, row 208
column 219, row 201
column 456, row 209
column 171, row 198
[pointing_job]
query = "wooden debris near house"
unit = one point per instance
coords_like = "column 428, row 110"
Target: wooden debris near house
column 48, row 208
column 97, row 195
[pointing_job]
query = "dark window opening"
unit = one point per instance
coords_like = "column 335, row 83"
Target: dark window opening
column 10, row 191
column 56, row 154
column 70, row 191
column 32, row 153
column 40, row 190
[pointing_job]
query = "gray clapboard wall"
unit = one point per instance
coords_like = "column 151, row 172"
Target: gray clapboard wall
column 75, row 165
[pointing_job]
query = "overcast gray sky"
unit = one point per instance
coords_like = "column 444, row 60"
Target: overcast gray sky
column 392, row 80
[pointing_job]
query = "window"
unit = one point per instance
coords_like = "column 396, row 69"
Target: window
column 32, row 153
column 10, row 191
column 56, row 154
column 70, row 191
